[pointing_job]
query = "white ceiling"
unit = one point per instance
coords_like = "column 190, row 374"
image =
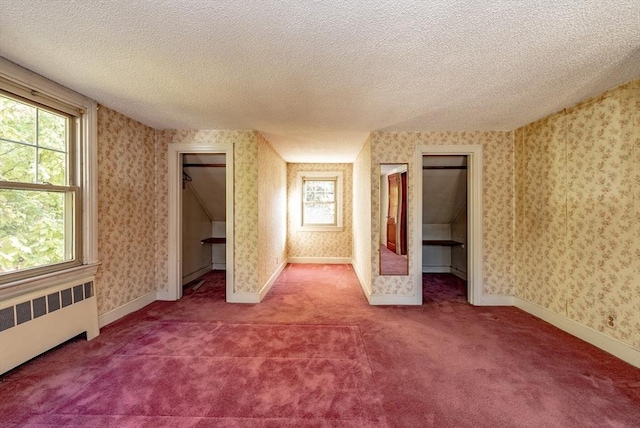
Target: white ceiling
column 208, row 183
column 444, row 191
column 317, row 77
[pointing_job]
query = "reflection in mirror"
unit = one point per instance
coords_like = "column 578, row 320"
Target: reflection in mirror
column 393, row 219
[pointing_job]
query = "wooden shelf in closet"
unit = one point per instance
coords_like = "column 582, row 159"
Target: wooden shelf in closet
column 441, row 242
column 214, row 241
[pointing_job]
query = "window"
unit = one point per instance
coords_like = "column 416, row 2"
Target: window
column 321, row 200
column 48, row 177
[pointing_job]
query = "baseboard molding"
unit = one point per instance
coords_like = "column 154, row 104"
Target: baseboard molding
column 392, row 299
column 366, row 288
column 163, row 295
column 195, row 275
column 460, row 274
column 493, row 300
column 613, row 346
column 219, row 266
column 265, row 289
column 242, row 297
column 130, row 307
column 436, row 269
column 321, row 260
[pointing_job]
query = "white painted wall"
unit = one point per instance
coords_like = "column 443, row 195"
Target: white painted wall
column 196, row 225
column 436, row 258
column 459, row 234
column 218, row 251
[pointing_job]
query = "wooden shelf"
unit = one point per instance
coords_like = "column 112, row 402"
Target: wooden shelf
column 442, row 243
column 214, row 241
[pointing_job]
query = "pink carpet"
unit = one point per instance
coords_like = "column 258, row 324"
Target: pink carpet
column 315, row 354
column 392, row 263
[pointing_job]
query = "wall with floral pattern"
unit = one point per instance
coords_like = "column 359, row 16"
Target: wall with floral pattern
column 272, row 210
column 578, row 212
column 361, row 217
column 245, row 153
column 497, row 194
column 319, row 244
column 126, row 210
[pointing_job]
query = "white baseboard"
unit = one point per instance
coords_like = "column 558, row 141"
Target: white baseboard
column 436, row 269
column 392, row 299
column 613, row 346
column 321, row 260
column 163, row 295
column 460, row 274
column 242, row 297
column 265, row 289
column 195, row 275
column 493, row 300
column 366, row 288
column 219, row 266
column 126, row 309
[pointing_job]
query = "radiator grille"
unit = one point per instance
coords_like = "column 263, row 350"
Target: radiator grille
column 31, row 309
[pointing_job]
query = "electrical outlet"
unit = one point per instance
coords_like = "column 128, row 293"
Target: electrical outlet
column 610, row 319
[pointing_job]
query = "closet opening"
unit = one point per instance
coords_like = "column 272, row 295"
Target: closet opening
column 444, row 228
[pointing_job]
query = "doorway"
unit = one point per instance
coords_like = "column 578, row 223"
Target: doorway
column 433, row 240
column 178, row 271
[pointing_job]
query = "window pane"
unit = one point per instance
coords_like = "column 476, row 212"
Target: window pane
column 17, row 121
column 52, row 130
column 315, row 213
column 17, row 162
column 51, row 167
column 32, row 229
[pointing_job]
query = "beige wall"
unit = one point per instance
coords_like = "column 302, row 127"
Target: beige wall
column 361, row 216
column 578, row 212
column 497, row 192
column 245, row 154
column 319, row 244
column 126, row 192
column 272, row 210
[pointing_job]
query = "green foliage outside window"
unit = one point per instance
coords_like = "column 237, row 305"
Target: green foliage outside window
column 33, row 150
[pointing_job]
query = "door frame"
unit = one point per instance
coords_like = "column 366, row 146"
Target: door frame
column 475, row 245
column 174, row 238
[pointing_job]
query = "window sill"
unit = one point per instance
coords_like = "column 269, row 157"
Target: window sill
column 320, row 229
column 28, row 285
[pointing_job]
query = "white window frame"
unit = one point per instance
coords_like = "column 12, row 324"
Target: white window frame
column 320, row 175
column 24, row 83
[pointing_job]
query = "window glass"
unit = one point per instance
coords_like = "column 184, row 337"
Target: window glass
column 319, row 206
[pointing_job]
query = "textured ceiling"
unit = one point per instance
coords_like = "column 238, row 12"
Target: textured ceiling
column 316, row 77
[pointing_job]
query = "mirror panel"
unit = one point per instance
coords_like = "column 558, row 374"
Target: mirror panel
column 394, row 255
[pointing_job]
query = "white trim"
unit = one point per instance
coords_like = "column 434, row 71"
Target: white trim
column 366, row 288
column 219, row 266
column 321, row 260
column 494, row 300
column 475, row 285
column 339, row 202
column 436, row 269
column 174, row 259
column 195, row 275
column 613, row 346
column 394, row 299
column 240, row 297
column 126, row 309
column 274, row 277
column 89, row 151
column 459, row 273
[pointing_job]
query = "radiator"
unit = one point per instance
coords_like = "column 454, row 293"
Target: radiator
column 33, row 323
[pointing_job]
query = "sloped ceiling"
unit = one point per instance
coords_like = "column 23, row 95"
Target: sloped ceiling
column 444, row 190
column 208, row 183
column 317, row 77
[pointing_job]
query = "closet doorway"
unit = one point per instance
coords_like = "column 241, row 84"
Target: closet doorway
column 200, row 187
column 448, row 215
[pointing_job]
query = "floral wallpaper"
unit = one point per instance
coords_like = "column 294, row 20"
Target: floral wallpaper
column 319, row 244
column 126, row 210
column 361, row 203
column 577, row 201
column 272, row 210
column 498, row 212
column 245, row 199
